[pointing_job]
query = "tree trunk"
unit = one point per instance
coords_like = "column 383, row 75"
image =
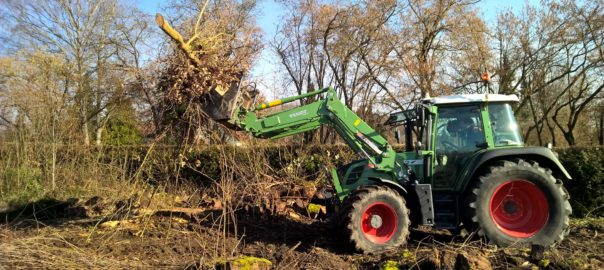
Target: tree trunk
column 98, row 133
column 601, row 133
column 53, row 168
column 85, row 129
column 570, row 138
column 552, row 132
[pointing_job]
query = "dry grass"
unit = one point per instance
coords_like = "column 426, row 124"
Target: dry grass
column 55, row 252
column 122, row 182
column 152, row 227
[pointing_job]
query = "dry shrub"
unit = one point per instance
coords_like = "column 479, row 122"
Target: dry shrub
column 28, row 173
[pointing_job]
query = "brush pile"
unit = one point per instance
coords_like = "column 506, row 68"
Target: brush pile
column 207, row 66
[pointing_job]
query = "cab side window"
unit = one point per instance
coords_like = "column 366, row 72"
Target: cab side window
column 504, row 126
column 459, row 133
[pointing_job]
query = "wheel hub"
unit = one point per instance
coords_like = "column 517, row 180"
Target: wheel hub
column 510, row 207
column 376, row 221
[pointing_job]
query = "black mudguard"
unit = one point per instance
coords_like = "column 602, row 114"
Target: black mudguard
column 544, row 156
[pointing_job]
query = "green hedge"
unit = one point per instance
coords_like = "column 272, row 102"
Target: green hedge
column 586, row 166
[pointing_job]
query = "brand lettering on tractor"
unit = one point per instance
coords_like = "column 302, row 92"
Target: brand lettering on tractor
column 296, row 114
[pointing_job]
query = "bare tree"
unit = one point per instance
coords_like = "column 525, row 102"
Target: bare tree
column 82, row 33
column 431, row 33
column 550, row 57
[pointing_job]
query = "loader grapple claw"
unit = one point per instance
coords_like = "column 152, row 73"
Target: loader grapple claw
column 220, row 107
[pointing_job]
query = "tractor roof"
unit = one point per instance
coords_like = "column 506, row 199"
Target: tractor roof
column 472, row 98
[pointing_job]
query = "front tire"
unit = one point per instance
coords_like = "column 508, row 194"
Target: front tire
column 375, row 219
column 519, row 203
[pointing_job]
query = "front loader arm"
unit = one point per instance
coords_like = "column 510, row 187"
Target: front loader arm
column 328, row 110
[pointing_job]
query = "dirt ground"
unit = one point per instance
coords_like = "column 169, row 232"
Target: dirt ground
column 81, row 234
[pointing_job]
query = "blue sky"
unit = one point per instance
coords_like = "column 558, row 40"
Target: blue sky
column 266, row 69
column 271, row 11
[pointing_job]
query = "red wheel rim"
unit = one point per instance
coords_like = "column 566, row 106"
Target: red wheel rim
column 379, row 222
column 519, row 208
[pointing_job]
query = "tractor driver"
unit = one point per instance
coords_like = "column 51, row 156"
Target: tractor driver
column 471, row 134
column 466, row 132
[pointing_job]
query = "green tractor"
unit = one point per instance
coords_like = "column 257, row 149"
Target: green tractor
column 464, row 166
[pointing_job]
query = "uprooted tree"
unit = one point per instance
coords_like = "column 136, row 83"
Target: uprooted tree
column 206, row 69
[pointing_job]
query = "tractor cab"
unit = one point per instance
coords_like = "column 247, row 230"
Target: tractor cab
column 452, row 134
column 443, row 134
column 464, row 127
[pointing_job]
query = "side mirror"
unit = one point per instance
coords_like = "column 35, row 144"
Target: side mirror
column 397, row 135
column 421, row 114
column 418, row 147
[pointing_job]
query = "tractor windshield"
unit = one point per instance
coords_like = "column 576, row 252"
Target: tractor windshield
column 504, row 126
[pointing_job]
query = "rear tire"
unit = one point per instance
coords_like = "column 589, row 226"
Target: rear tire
column 519, row 203
column 374, row 219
